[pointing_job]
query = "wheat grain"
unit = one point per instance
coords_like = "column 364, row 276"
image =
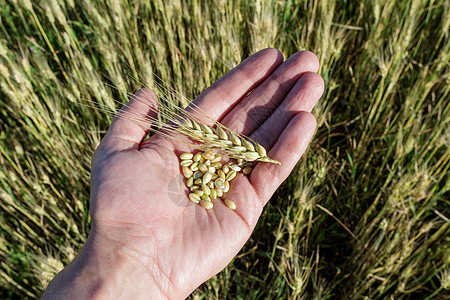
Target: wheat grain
column 206, row 190
column 203, row 168
column 186, row 172
column 194, row 166
column 197, row 157
column 206, row 177
column 230, row 176
column 219, row 183
column 206, row 198
column 235, row 168
column 186, row 163
column 217, row 165
column 194, row 198
column 231, row 205
column 213, row 193
column 185, row 156
column 225, row 169
column 226, row 186
column 198, row 174
column 208, row 156
column 247, row 170
column 206, row 204
column 199, row 192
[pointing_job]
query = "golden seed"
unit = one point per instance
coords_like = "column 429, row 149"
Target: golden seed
column 206, row 190
column 227, row 187
column 207, row 163
column 206, row 204
column 217, row 165
column 212, row 169
column 202, row 160
column 221, row 174
column 208, row 155
column 198, row 181
column 219, row 192
column 260, row 149
column 203, row 168
column 197, row 157
column 225, row 169
column 194, row 198
column 249, row 146
column 206, row 198
column 194, row 166
column 198, row 174
column 239, row 161
column 199, row 193
column 247, row 170
column 213, row 194
column 219, row 183
column 190, row 181
column 207, row 177
column 251, row 155
column 214, row 177
column 218, row 158
column 186, row 172
column 235, row 168
column 194, row 188
column 186, row 163
column 185, row 156
column 231, row 205
column 235, row 140
column 231, row 175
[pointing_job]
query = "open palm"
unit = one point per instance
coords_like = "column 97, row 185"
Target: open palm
column 139, row 201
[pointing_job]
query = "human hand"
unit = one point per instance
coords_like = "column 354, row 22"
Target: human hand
column 150, row 239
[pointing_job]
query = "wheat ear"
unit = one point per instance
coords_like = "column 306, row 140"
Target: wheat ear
column 234, row 145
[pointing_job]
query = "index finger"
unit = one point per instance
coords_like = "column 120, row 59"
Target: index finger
column 226, row 92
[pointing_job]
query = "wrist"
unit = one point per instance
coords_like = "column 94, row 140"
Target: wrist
column 103, row 270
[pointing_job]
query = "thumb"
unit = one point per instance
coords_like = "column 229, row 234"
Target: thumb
column 130, row 126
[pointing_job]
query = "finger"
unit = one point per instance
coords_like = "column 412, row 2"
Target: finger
column 132, row 123
column 218, row 99
column 252, row 111
column 302, row 97
column 291, row 145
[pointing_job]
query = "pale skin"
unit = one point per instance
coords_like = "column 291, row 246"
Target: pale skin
column 147, row 240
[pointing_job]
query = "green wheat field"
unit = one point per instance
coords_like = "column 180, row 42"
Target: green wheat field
column 365, row 214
